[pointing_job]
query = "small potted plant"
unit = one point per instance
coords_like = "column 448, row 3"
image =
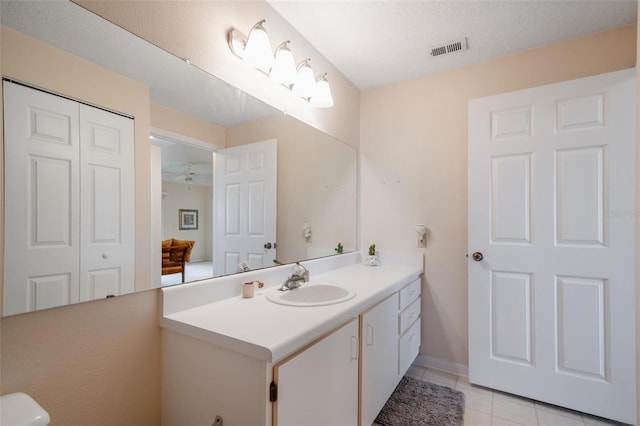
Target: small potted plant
column 372, row 258
column 339, row 249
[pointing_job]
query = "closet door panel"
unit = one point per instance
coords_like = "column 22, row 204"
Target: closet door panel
column 41, row 267
column 107, row 176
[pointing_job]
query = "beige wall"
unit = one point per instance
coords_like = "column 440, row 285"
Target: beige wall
column 198, row 31
column 176, row 196
column 178, row 123
column 414, row 165
column 99, row 362
column 316, row 185
column 95, row 363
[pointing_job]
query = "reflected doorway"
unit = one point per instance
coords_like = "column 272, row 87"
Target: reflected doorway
column 186, row 210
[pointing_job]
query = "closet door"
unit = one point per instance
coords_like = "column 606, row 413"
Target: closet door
column 107, row 252
column 69, row 201
column 41, row 148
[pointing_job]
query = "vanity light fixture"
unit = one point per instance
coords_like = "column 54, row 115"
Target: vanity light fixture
column 255, row 50
column 305, row 81
column 284, row 67
column 321, row 96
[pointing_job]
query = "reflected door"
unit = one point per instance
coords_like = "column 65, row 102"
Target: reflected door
column 69, row 213
column 551, row 244
column 245, row 181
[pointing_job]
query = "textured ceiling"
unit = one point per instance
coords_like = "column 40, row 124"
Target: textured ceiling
column 374, row 43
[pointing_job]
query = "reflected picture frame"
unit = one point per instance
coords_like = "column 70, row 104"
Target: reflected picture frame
column 187, row 219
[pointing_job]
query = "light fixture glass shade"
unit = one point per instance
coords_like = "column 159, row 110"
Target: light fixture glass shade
column 321, row 97
column 257, row 51
column 305, row 82
column 236, row 41
column 284, row 67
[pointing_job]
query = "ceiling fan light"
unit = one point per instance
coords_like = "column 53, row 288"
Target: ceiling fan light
column 322, row 97
column 257, row 51
column 284, row 67
column 305, row 81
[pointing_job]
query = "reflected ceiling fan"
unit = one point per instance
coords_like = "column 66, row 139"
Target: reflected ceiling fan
column 188, row 173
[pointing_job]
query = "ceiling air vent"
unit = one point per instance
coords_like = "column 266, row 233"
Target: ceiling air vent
column 450, row 47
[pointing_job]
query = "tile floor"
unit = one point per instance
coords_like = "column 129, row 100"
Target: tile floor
column 485, row 407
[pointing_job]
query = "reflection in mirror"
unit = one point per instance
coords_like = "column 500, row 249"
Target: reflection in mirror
column 316, row 174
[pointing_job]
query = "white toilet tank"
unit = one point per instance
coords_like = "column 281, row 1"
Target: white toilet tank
column 19, row 409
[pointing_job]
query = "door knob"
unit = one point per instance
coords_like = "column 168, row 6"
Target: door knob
column 477, row 256
column 267, row 246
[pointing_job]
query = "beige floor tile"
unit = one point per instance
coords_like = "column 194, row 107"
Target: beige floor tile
column 440, row 377
column 499, row 421
column 479, row 401
column 415, row 371
column 547, row 418
column 514, row 398
column 476, row 418
column 462, row 384
column 574, row 415
column 512, row 410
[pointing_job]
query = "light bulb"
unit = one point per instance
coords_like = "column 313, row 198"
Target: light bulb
column 305, row 82
column 257, row 51
column 321, row 97
column 284, row 67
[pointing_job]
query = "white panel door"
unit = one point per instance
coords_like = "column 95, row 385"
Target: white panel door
column 551, row 202
column 41, row 249
column 69, row 201
column 245, row 185
column 107, row 241
column 319, row 386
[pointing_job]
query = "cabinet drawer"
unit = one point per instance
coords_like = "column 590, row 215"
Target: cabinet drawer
column 409, row 347
column 409, row 315
column 409, row 294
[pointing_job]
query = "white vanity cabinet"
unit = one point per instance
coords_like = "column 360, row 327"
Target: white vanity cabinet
column 379, row 357
column 409, row 326
column 258, row 363
column 390, row 341
column 319, row 385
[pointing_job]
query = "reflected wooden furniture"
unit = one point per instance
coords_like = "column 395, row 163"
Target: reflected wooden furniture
column 175, row 255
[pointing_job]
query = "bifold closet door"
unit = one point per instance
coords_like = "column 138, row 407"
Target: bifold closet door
column 62, row 199
column 107, row 240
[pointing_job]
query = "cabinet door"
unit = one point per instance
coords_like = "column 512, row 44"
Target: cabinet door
column 319, row 386
column 379, row 357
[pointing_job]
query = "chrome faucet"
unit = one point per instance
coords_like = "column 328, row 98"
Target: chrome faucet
column 300, row 275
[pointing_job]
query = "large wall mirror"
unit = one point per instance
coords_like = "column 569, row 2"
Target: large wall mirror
column 186, row 123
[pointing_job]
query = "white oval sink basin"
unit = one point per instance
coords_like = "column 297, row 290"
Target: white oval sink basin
column 311, row 295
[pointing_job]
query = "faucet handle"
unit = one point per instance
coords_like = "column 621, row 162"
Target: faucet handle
column 300, row 271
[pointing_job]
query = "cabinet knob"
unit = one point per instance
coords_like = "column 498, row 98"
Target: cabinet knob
column 105, row 255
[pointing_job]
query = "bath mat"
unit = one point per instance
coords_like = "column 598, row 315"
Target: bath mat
column 419, row 403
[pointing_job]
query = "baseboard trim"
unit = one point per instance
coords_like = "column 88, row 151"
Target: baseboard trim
column 442, row 365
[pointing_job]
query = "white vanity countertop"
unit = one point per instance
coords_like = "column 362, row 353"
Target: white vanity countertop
column 270, row 332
